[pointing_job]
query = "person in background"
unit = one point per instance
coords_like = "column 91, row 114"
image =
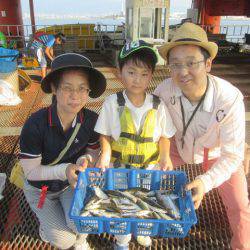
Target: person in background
column 209, row 115
column 42, row 45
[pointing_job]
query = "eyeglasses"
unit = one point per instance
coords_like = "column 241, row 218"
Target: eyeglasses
column 70, row 90
column 189, row 65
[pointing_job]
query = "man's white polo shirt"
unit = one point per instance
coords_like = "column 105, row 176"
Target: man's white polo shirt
column 219, row 124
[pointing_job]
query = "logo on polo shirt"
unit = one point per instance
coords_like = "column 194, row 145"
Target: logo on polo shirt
column 220, row 115
column 76, row 140
column 172, row 100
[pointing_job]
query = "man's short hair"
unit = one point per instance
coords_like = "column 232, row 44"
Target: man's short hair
column 61, row 36
column 204, row 52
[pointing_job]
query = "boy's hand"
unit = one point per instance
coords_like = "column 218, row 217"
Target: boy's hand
column 102, row 163
column 198, row 191
column 166, row 165
column 71, row 172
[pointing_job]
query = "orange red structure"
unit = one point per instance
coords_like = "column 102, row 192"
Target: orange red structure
column 11, row 14
column 210, row 11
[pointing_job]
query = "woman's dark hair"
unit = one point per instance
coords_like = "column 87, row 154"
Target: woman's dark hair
column 138, row 58
column 56, row 79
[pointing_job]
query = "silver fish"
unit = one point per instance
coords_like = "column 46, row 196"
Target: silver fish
column 168, row 204
column 165, row 216
column 143, row 205
column 150, row 201
column 92, row 202
column 85, row 213
column 138, row 189
column 129, row 196
column 156, row 215
column 99, row 193
column 158, row 210
column 135, row 202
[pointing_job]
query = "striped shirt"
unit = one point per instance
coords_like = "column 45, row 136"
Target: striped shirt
column 43, row 41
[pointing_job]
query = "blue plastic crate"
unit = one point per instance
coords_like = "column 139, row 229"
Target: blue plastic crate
column 122, row 179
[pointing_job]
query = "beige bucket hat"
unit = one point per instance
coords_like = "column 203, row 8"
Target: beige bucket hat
column 189, row 34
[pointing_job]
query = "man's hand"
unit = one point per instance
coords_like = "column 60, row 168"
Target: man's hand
column 71, row 172
column 198, row 191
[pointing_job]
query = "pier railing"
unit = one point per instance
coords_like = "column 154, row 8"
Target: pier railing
column 79, row 36
column 233, row 33
column 99, row 36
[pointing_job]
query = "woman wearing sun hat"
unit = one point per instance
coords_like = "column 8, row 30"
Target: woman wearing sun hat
column 208, row 113
column 58, row 141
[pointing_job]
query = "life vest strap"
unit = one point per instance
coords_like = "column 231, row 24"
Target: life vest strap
column 136, row 138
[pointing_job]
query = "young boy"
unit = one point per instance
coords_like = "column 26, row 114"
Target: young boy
column 58, row 141
column 135, row 126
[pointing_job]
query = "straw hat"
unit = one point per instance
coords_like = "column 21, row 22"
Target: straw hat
column 189, row 34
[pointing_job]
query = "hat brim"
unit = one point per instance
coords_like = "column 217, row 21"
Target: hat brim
column 97, row 80
column 211, row 47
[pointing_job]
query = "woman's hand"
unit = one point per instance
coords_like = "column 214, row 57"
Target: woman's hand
column 80, row 161
column 72, row 172
column 198, row 191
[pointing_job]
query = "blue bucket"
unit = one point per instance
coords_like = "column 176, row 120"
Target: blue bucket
column 8, row 60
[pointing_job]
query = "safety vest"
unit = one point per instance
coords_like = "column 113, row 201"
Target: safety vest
column 132, row 149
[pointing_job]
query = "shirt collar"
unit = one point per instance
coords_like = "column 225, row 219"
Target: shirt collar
column 177, row 91
column 54, row 120
column 209, row 98
column 208, row 101
column 131, row 104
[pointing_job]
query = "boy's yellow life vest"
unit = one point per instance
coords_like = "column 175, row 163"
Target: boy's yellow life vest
column 137, row 150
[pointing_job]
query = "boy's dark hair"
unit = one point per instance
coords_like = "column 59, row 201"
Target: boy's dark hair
column 141, row 56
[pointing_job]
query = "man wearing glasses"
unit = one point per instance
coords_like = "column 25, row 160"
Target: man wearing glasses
column 208, row 113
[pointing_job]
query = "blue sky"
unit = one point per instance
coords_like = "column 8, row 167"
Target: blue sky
column 90, row 7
